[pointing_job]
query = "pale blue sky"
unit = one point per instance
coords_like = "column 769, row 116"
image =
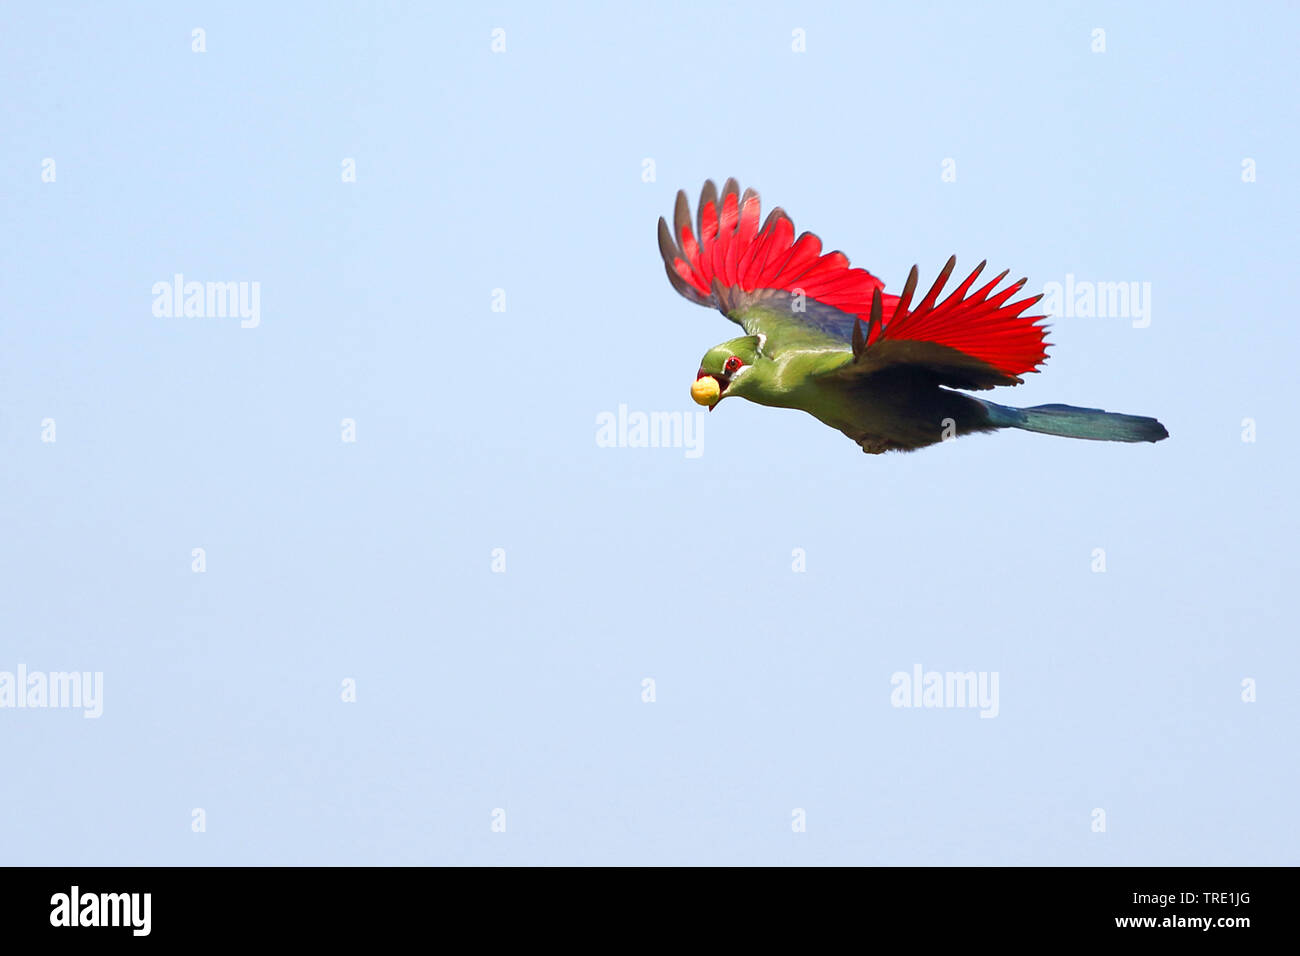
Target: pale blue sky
column 476, row 430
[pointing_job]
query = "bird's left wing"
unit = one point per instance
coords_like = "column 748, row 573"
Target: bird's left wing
column 763, row 278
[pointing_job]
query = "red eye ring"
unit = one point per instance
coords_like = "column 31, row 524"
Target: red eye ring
column 733, row 365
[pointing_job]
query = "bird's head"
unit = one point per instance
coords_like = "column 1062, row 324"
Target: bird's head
column 723, row 370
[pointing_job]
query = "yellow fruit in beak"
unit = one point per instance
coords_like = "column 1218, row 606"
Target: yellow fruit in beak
column 705, row 391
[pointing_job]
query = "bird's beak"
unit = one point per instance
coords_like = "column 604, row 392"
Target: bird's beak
column 707, row 390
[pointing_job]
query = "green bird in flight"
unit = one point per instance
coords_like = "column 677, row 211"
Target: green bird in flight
column 824, row 338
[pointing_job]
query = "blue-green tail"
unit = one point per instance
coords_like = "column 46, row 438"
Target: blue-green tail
column 1071, row 422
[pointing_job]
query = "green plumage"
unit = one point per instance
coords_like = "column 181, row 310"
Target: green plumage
column 890, row 396
column 817, row 336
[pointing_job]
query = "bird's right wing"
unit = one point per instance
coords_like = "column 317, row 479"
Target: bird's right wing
column 974, row 341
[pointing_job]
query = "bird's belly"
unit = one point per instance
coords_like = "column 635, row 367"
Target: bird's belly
column 888, row 418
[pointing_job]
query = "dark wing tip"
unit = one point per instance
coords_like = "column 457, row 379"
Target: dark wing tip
column 669, row 251
column 709, row 194
column 681, row 214
column 667, row 246
column 904, row 300
column 775, row 214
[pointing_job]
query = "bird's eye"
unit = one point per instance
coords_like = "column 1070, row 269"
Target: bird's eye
column 733, row 365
